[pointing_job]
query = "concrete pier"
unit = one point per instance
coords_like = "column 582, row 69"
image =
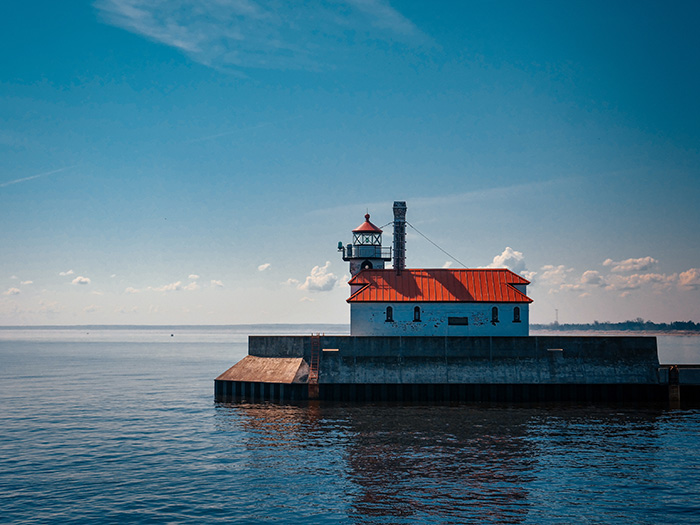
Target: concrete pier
column 417, row 369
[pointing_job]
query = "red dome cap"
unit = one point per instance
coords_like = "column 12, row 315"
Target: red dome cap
column 367, row 227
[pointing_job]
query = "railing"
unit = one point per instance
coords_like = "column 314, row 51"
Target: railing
column 366, row 252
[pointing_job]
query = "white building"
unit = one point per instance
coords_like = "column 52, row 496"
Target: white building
column 441, row 301
column 428, row 302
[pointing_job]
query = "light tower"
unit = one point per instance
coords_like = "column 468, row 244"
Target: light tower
column 366, row 251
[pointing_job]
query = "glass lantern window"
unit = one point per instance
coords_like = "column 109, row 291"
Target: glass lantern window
column 373, row 239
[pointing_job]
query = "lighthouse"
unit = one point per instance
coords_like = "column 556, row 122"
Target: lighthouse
column 366, row 251
column 403, row 301
column 439, row 334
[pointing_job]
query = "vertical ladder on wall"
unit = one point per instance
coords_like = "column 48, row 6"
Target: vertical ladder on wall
column 313, row 365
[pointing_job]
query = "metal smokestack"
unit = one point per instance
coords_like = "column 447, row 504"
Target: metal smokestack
column 399, row 236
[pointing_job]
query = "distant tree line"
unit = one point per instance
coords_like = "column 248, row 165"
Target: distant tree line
column 636, row 325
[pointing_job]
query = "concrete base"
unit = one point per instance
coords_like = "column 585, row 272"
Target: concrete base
column 418, row 369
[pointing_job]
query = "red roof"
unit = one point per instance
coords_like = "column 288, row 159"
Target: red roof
column 367, row 227
column 439, row 285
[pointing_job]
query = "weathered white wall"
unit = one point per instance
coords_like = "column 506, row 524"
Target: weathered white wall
column 370, row 319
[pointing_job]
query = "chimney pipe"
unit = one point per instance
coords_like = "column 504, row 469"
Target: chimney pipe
column 399, row 236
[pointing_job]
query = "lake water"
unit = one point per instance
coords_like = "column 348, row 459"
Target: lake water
column 105, row 425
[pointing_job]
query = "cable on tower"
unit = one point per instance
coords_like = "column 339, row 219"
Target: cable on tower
column 438, row 247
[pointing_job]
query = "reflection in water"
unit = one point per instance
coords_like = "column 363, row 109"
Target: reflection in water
column 463, row 463
column 444, row 462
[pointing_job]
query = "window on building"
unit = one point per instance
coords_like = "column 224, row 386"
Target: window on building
column 458, row 321
column 416, row 314
column 516, row 314
column 389, row 314
column 494, row 315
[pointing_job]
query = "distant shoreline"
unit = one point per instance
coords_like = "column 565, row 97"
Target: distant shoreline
column 275, row 326
column 550, row 331
column 603, row 328
column 639, row 326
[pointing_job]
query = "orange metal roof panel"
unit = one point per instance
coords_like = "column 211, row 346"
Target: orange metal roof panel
column 439, row 285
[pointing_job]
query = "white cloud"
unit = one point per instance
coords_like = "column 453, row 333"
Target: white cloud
column 509, row 258
column 172, row 287
column 27, row 282
column 81, row 280
column 291, row 282
column 320, row 280
column 383, row 15
column 12, row 291
column 554, row 275
column 447, row 264
column 130, row 289
column 91, row 308
column 264, row 267
column 254, row 34
column 177, row 286
column 125, row 310
column 593, row 278
column 557, row 276
column 690, row 278
column 69, row 272
column 514, row 261
column 530, row 276
column 50, row 307
column 631, row 265
column 571, row 287
column 193, row 276
column 306, row 300
column 626, row 283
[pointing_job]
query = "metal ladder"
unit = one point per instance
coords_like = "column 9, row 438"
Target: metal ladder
column 315, row 357
column 313, row 365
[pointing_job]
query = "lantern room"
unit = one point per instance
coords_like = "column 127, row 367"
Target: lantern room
column 366, row 251
column 367, row 234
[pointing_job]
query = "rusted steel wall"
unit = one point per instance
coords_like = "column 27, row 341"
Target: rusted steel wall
column 230, row 391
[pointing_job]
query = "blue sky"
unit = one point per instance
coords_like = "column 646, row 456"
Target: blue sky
column 197, row 162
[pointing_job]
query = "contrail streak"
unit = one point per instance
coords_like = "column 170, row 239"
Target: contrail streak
column 239, row 130
column 2, row 185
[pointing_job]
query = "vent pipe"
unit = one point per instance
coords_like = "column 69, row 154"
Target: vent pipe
column 399, row 236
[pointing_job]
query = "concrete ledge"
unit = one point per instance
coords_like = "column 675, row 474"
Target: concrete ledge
column 268, row 370
column 689, row 376
column 472, row 360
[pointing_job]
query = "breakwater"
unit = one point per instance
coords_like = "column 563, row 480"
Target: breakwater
column 528, row 369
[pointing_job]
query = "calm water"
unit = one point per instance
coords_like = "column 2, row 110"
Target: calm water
column 121, row 426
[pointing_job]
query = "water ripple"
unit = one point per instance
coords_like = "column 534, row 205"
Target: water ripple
column 105, row 432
